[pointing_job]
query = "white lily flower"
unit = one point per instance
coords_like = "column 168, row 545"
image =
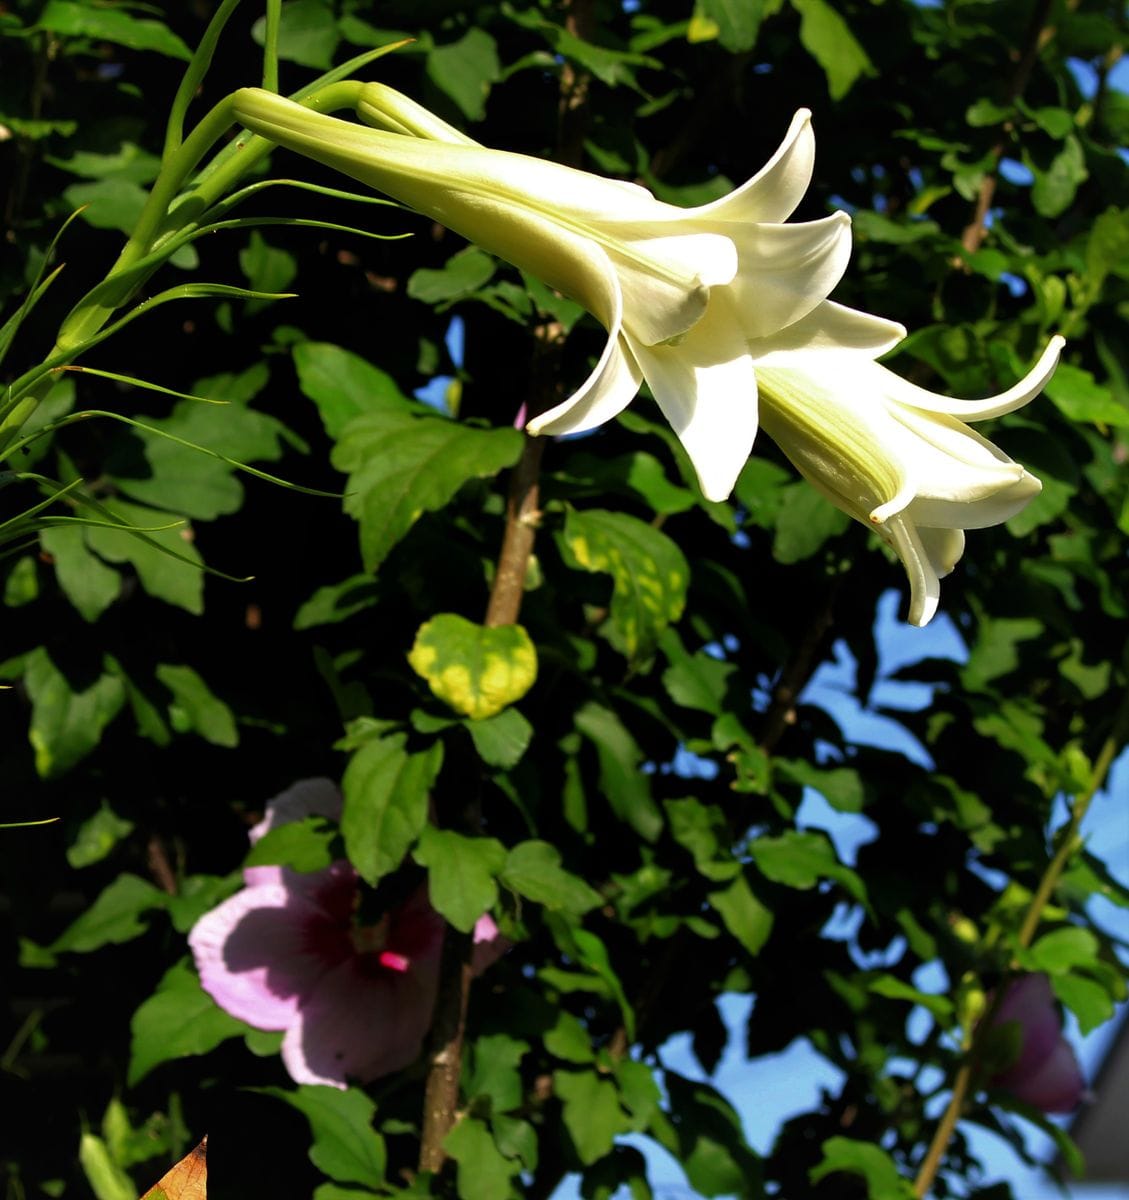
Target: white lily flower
column 898, row 458
column 685, row 294
column 702, row 303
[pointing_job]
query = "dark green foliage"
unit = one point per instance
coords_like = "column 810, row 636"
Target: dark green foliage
column 156, row 708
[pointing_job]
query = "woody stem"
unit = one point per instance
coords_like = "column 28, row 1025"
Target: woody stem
column 441, row 1093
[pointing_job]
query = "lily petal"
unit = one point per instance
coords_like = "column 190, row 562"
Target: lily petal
column 774, row 191
column 914, row 473
column 828, row 327
column 993, row 406
column 707, row 390
column 604, row 394
column 787, row 270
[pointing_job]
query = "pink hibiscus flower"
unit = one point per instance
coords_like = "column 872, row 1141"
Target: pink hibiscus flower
column 1046, row 1073
column 286, row 953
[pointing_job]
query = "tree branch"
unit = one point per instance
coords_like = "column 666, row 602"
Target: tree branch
column 1039, row 33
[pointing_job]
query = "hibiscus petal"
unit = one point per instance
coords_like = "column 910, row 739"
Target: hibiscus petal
column 489, row 945
column 261, row 951
column 1056, row 1085
column 361, row 1022
column 707, row 390
column 1030, row 1002
column 317, row 797
column 774, row 191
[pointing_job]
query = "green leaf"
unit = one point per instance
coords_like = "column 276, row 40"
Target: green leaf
column 801, row 860
column 307, row 33
column 180, row 1019
column 111, row 203
column 346, row 1147
column 708, row 1141
column 68, row 18
column 337, row 602
column 649, row 573
column 460, row 873
column 569, row 1039
column 738, row 22
column 841, row 787
column 1062, row 949
column 476, row 669
column 1054, row 189
column 702, row 830
column 66, row 724
column 638, row 1091
column 305, row 845
column 343, row 385
column 517, row 1139
column 804, row 522
column 622, row 783
column 401, row 466
column 199, row 894
column 501, row 740
column 162, row 576
column 107, row 1180
column 267, row 268
column 591, row 951
column 746, row 917
column 484, row 1172
column 533, row 870
column 194, row 706
column 179, row 477
column 829, row 40
column 463, row 274
column 386, row 796
column 465, row 70
column 113, row 918
column 89, row 584
column 97, row 836
column 1079, row 397
column 1087, row 1000
column 494, row 1061
column 698, row 681
column 883, row 1182
column 895, row 989
column 591, row 1112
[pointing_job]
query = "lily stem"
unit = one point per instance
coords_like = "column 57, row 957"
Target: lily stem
column 1068, row 845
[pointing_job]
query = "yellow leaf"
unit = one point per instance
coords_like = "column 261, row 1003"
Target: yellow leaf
column 188, row 1180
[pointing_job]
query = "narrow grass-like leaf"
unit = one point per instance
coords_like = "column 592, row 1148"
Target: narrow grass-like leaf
column 138, row 532
column 307, row 222
column 135, row 382
column 229, row 202
column 193, row 75
column 87, row 414
column 39, row 285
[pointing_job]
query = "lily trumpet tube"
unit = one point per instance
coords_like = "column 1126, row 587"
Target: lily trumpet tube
column 898, row 458
column 685, row 294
